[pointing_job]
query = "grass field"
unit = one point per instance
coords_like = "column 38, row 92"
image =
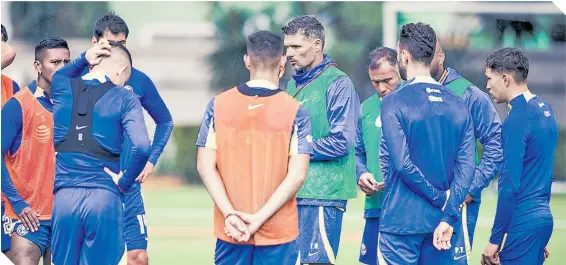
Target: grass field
column 180, row 227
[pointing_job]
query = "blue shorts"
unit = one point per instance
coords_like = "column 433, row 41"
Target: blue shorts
column 368, row 250
column 319, row 233
column 41, row 237
column 6, row 242
column 135, row 228
column 410, row 250
column 238, row 254
column 87, row 227
column 525, row 247
column 464, row 234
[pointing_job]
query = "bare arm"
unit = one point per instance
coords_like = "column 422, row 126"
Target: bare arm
column 206, row 167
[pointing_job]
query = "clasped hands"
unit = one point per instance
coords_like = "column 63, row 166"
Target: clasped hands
column 241, row 226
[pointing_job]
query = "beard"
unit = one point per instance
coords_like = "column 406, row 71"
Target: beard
column 403, row 72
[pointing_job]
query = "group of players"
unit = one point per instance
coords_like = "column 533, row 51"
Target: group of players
column 75, row 149
column 280, row 165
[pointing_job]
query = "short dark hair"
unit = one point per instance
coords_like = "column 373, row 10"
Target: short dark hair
column 123, row 49
column 380, row 53
column 306, row 25
column 47, row 44
column 420, row 40
column 265, row 47
column 4, row 34
column 509, row 60
column 110, row 22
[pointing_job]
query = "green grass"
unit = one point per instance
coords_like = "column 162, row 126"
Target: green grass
column 180, row 228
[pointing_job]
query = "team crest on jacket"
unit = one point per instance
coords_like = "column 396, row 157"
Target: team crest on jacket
column 129, row 88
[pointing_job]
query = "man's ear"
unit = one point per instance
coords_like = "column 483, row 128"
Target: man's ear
column 247, row 62
column 282, row 64
column 37, row 66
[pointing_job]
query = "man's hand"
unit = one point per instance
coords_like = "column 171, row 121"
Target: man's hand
column 442, row 235
column 29, row 218
column 95, row 54
column 235, row 228
column 253, row 221
column 147, row 171
column 115, row 177
column 468, row 199
column 546, row 253
column 368, row 184
column 489, row 256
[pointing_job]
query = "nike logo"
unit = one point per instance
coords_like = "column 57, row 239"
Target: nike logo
column 303, row 102
column 38, row 113
column 80, row 127
column 460, row 257
column 312, row 254
column 251, row 107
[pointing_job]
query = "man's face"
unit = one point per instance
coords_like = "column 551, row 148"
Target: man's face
column 495, row 86
column 117, row 38
column 384, row 78
column 300, row 51
column 53, row 60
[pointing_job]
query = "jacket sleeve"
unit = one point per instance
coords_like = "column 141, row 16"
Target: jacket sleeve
column 514, row 146
column 383, row 158
column 487, row 129
column 134, row 127
column 11, row 124
column 463, row 174
column 342, row 107
column 396, row 142
column 361, row 159
column 156, row 108
column 75, row 68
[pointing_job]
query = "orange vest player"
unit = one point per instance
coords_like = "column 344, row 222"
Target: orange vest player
column 254, row 150
column 28, row 167
column 9, row 88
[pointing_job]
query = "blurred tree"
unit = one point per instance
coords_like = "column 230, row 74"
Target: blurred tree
column 33, row 21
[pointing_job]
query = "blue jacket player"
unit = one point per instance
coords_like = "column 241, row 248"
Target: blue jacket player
column 426, row 156
column 384, row 75
column 92, row 114
column 331, row 99
column 487, row 131
column 114, row 29
column 523, row 221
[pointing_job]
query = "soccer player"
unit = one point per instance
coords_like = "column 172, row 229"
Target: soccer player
column 487, row 131
column 91, row 115
column 384, row 75
column 253, row 156
column 523, row 221
column 27, row 181
column 430, row 174
column 9, row 88
column 114, row 29
column 332, row 101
